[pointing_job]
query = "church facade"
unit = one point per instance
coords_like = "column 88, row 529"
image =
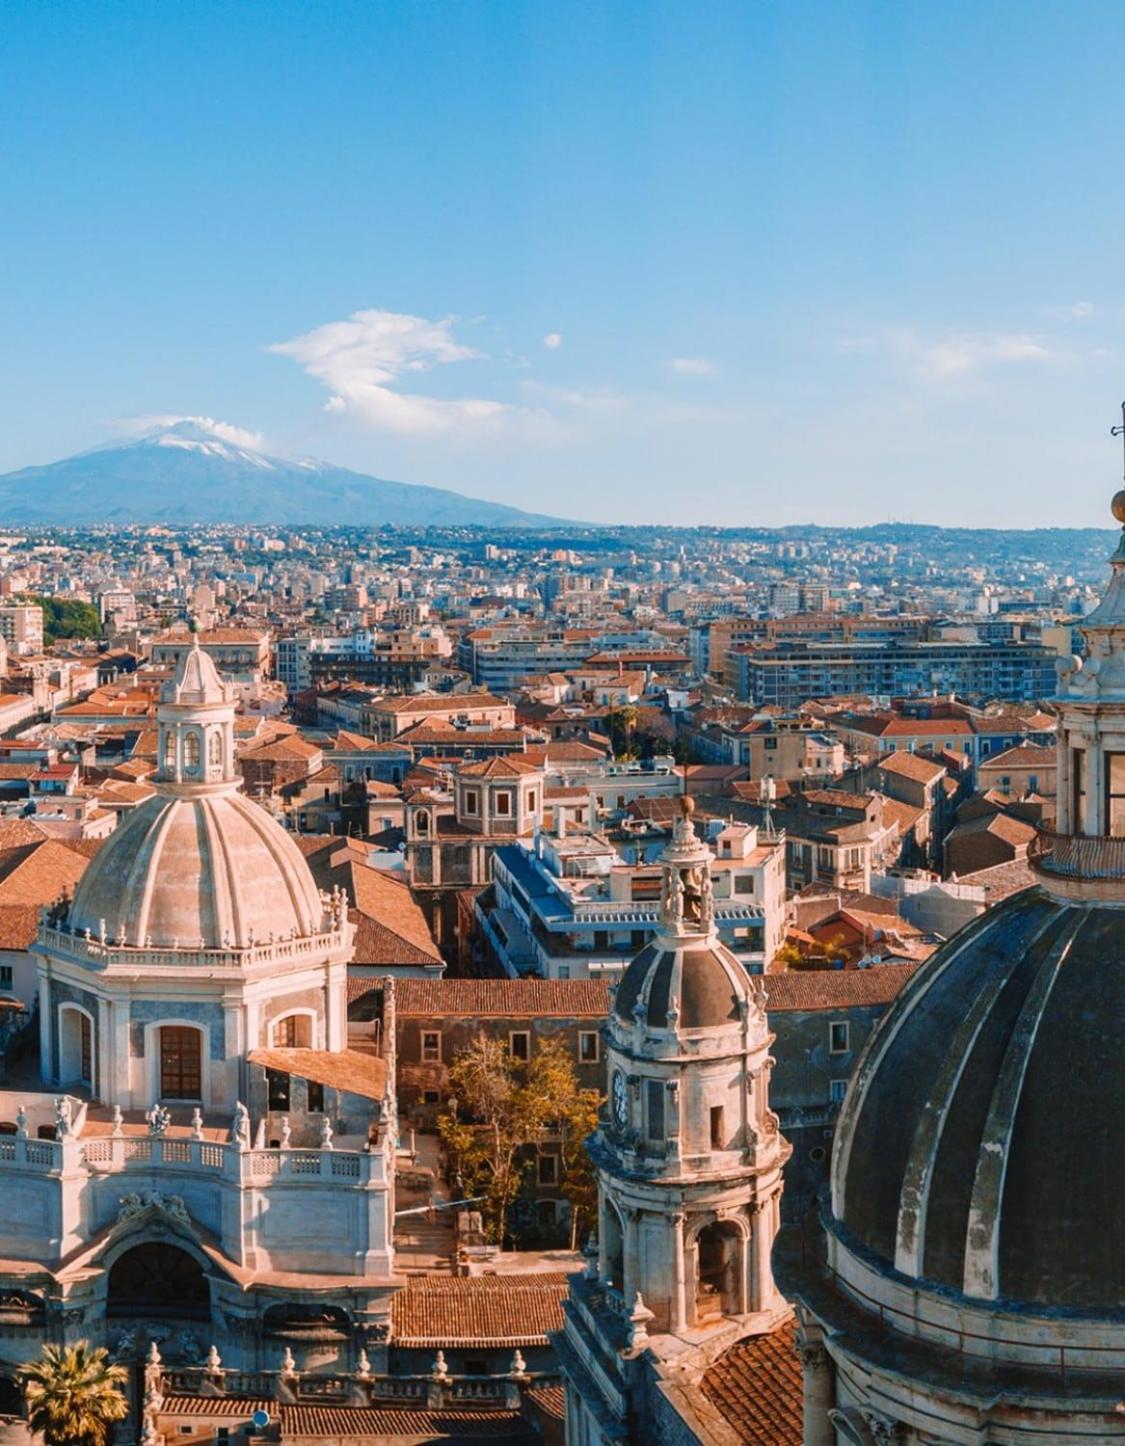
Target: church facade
column 206, row 1162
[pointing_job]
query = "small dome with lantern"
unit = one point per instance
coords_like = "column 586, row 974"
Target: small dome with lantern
column 198, row 865
column 685, row 978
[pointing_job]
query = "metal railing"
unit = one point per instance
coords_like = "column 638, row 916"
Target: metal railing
column 1077, row 856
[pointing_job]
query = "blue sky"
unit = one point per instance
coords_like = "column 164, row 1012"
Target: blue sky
column 698, row 262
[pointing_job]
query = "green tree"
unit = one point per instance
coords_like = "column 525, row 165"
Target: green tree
column 502, row 1110
column 621, row 722
column 67, row 618
column 74, row 1395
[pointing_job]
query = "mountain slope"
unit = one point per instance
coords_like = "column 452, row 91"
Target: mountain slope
column 191, row 472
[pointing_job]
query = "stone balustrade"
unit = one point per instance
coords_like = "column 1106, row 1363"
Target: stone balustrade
column 94, row 953
column 113, row 1154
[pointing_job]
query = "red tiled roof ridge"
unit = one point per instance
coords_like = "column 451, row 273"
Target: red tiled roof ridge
column 433, row 998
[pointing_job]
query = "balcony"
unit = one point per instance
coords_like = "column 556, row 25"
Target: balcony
column 1090, row 858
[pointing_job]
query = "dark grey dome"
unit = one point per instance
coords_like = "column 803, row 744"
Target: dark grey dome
column 699, row 974
column 981, row 1144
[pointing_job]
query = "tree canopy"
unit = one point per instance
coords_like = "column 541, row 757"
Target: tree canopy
column 74, row 1395
column 501, row 1111
column 68, row 618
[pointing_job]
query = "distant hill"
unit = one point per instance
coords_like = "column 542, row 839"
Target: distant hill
column 189, row 473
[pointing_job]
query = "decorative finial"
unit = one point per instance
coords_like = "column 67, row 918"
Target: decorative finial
column 1117, row 506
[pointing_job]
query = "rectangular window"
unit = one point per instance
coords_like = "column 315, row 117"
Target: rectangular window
column 315, row 1097
column 181, row 1063
column 519, row 1044
column 548, row 1169
column 431, row 1046
column 588, row 1047
column 504, row 804
column 278, row 1084
column 429, row 1097
column 837, row 1089
column 744, row 884
column 1115, row 794
column 655, row 1090
column 472, row 801
column 5, row 976
column 532, row 801
column 838, row 1037
column 718, row 1128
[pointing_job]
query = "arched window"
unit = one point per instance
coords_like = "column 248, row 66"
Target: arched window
column 215, row 751
column 423, row 822
column 169, row 750
column 191, row 753
column 293, row 1032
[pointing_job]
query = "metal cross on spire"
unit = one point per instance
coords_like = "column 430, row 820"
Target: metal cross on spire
column 1120, row 432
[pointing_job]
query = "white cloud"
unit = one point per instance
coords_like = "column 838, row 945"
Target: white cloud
column 692, row 366
column 957, row 354
column 1080, row 310
column 574, row 398
column 363, row 360
column 224, row 431
column 553, row 340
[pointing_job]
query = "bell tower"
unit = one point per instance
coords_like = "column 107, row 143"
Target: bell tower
column 689, row 1155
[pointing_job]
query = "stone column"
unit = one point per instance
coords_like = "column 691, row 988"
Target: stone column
column 819, row 1395
column 1064, row 788
column 631, row 1265
column 335, row 1020
column 117, row 1082
column 1093, row 822
column 679, row 1274
column 47, row 1063
column 603, row 1236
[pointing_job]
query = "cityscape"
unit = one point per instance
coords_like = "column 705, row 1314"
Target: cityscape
column 561, row 876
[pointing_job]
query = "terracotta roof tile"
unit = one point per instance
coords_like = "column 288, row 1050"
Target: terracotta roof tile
column 345, row 1069
column 489, row 1310
column 810, row 989
column 523, row 998
column 19, row 924
column 343, row 1423
column 757, row 1387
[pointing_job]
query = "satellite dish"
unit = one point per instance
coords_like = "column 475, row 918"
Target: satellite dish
column 260, row 1420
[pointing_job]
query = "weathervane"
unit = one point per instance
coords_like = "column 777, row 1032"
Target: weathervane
column 1120, row 431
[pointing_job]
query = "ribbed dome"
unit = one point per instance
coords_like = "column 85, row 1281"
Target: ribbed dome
column 212, row 871
column 980, row 1147
column 700, row 977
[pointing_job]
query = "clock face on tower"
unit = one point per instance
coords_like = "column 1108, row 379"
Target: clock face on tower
column 620, row 1099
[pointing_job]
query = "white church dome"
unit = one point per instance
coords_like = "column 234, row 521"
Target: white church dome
column 198, row 866
column 213, row 871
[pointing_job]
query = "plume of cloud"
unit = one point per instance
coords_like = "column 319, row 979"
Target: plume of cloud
column 553, row 340
column 364, row 360
column 223, row 431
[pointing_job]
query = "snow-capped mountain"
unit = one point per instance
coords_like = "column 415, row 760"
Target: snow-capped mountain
column 198, row 470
